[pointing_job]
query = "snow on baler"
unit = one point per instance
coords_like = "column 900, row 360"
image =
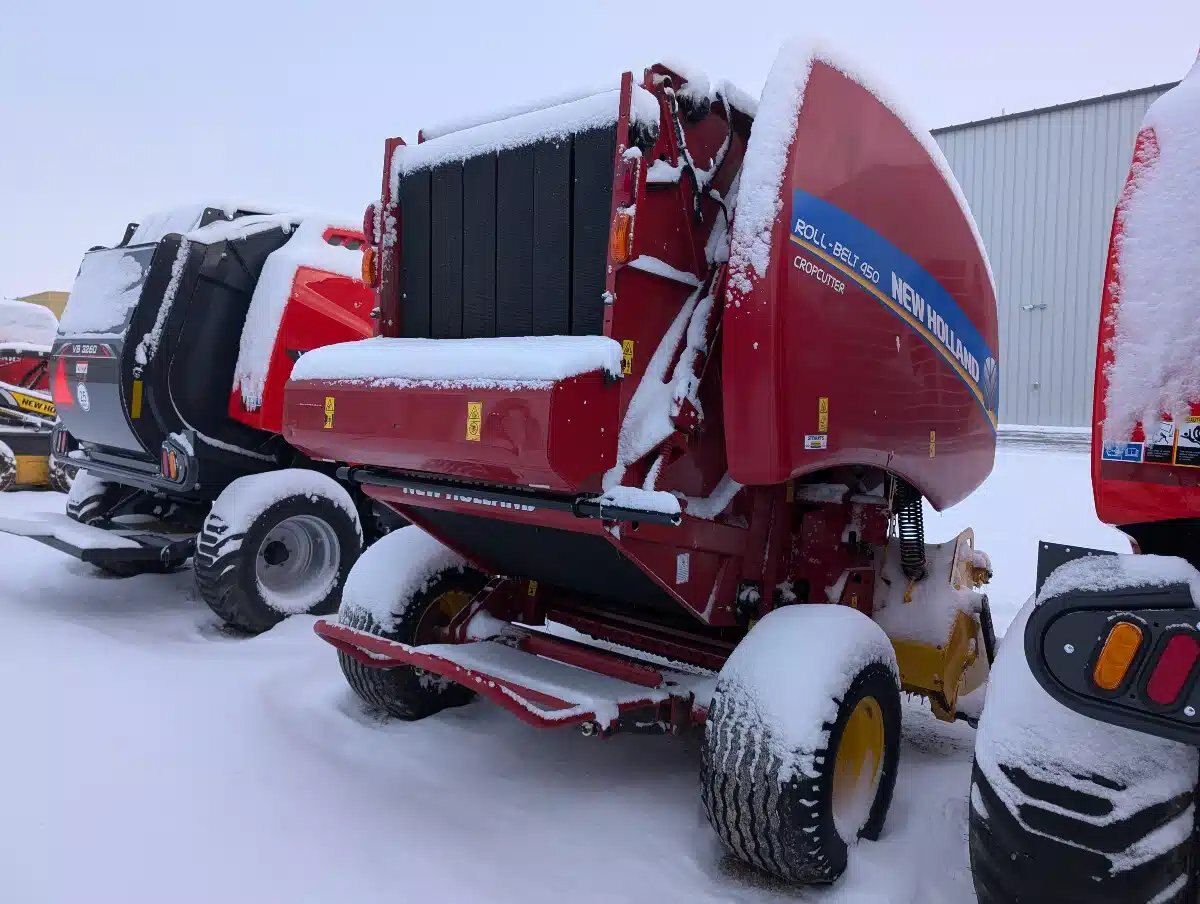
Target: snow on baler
column 675, row 373
column 167, row 377
column 26, row 409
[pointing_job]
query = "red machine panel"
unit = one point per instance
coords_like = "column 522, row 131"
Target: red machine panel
column 323, row 309
column 24, row 367
column 1145, row 478
column 871, row 338
column 561, row 437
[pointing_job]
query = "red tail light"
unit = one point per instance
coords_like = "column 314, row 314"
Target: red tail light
column 369, row 223
column 1173, row 668
column 60, row 391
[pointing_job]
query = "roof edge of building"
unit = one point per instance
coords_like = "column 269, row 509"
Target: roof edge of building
column 1054, row 108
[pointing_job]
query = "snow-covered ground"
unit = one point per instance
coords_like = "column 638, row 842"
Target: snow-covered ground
column 150, row 757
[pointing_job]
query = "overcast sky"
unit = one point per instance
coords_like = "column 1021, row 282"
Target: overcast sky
column 110, row 110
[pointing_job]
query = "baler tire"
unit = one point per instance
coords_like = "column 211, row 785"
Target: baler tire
column 8, row 467
column 407, row 693
column 780, row 815
column 225, row 562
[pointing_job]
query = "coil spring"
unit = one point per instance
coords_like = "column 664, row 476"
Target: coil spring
column 910, row 526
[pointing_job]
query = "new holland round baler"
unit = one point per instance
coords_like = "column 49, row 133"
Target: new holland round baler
column 664, row 377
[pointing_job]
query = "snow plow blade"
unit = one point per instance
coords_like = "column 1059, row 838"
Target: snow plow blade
column 530, row 677
column 96, row 545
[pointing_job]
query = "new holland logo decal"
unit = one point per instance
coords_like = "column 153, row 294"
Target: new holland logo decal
column 864, row 258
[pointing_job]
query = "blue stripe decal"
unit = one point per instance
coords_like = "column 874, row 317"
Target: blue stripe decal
column 902, row 286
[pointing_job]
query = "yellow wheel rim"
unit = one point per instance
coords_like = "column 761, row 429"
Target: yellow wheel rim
column 439, row 614
column 857, row 765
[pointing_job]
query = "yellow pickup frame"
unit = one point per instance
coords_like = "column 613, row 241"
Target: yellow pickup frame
column 946, row 672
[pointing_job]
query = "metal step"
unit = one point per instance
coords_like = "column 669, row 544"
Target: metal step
column 95, row 544
column 537, row 689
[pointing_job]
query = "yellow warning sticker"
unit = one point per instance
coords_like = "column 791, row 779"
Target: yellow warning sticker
column 474, row 421
column 533, row 585
column 1187, row 443
column 626, row 356
column 135, row 400
column 823, row 414
column 932, row 443
column 330, row 404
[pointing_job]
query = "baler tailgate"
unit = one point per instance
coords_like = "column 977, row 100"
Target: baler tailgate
column 539, row 690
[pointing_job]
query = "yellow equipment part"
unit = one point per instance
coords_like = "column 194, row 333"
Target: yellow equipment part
column 33, row 471
column 34, row 403
column 859, row 757
column 944, row 672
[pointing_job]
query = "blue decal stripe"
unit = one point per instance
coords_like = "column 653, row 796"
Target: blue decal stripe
column 924, row 332
column 866, row 258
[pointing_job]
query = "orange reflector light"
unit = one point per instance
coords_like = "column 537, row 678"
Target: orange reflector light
column 368, row 266
column 1119, row 651
column 622, row 236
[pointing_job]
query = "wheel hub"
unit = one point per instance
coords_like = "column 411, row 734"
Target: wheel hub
column 297, row 562
column 276, row 552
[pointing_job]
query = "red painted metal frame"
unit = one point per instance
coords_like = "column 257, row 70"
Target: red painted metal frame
column 378, row 652
column 388, row 249
column 322, row 309
column 707, row 652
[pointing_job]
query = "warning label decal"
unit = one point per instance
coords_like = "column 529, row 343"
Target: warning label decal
column 1160, row 442
column 1187, row 443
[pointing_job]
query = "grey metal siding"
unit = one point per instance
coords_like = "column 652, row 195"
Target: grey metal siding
column 1042, row 186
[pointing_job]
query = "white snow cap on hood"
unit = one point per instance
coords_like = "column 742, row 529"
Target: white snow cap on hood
column 759, row 197
column 26, row 323
column 1156, row 339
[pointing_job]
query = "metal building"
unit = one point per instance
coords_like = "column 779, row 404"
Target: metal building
column 1042, row 185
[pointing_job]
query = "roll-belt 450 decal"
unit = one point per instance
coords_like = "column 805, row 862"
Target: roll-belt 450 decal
column 858, row 255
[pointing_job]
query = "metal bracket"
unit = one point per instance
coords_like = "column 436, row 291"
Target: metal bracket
column 1052, row 555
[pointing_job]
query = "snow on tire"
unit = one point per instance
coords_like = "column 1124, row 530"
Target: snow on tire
column 1067, row 809
column 405, row 587
column 62, row 477
column 85, row 499
column 802, row 741
column 90, row 500
column 277, row 544
column 8, row 467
